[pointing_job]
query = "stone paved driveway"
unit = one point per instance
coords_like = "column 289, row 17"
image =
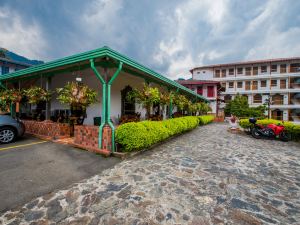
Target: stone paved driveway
column 208, row 176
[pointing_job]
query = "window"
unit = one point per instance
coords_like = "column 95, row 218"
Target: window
column 273, row 83
column 240, row 70
column 247, row 85
column 254, row 85
column 278, row 99
column 248, row 71
column 210, row 91
column 227, row 98
column 282, row 84
column 283, row 68
column 217, row 73
column 230, row 85
column 127, row 108
column 257, row 98
column 231, row 71
column 263, row 83
column 223, row 73
column 200, row 90
column 274, row 68
column 295, row 67
column 198, row 72
column 240, row 84
column 263, row 69
column 5, row 69
column 255, row 70
column 203, row 71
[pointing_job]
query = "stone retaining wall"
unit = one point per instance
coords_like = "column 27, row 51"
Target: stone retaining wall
column 47, row 129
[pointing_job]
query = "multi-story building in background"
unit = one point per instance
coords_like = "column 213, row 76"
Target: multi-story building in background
column 273, row 80
column 206, row 88
column 8, row 65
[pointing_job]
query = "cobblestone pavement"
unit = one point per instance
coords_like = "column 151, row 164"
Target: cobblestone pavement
column 207, row 176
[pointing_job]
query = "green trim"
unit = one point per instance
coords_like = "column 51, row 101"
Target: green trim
column 109, row 106
column 98, row 53
column 103, row 119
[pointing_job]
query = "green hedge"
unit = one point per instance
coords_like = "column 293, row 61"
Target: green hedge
column 205, row 119
column 291, row 128
column 139, row 135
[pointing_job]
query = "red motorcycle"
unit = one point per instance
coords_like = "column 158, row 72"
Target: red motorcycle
column 270, row 131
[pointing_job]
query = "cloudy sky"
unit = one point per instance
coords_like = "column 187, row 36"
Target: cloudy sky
column 170, row 37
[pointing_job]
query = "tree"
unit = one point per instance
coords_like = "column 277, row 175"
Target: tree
column 147, row 97
column 239, row 107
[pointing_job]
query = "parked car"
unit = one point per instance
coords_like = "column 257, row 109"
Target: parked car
column 10, row 129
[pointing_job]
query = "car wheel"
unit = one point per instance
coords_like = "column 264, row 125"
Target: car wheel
column 7, row 135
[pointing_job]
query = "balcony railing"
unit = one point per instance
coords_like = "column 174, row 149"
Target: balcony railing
column 278, row 102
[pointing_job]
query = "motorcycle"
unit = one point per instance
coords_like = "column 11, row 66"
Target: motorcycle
column 270, row 131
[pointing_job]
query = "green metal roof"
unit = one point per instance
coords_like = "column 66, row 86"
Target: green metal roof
column 98, row 53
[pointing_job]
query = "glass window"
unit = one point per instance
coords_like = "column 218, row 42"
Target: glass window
column 255, row 70
column 283, row 68
column 240, row 70
column 231, row 71
column 263, row 83
column 274, row 68
column 224, row 73
column 257, row 98
column 5, row 69
column 248, row 71
column 240, row 84
column 231, row 85
column 217, row 73
column 273, row 83
column 263, row 69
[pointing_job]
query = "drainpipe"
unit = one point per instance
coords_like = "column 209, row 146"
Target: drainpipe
column 109, row 105
column 103, row 119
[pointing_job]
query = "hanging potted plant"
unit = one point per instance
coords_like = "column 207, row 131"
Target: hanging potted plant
column 78, row 96
column 8, row 97
column 36, row 95
column 147, row 97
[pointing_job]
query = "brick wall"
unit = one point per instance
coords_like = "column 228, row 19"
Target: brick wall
column 47, row 129
column 87, row 136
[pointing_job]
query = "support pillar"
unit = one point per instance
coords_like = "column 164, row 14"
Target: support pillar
column 48, row 103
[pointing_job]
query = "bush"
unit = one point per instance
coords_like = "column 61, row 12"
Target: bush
column 290, row 127
column 205, row 119
column 139, row 135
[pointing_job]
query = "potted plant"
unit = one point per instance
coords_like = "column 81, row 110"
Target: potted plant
column 36, row 95
column 8, row 97
column 78, row 96
column 147, row 97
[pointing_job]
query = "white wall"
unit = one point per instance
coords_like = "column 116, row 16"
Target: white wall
column 203, row 74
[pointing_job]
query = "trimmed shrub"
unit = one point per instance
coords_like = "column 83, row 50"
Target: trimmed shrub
column 139, row 135
column 290, row 127
column 205, row 119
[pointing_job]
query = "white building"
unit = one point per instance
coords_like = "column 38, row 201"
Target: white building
column 274, row 79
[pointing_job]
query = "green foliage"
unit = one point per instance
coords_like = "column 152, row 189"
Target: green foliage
column 37, row 94
column 139, row 135
column 239, row 107
column 291, row 128
column 203, row 120
column 147, row 97
column 181, row 102
column 8, row 97
column 74, row 93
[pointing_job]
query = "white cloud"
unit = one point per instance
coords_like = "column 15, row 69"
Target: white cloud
column 20, row 37
column 176, row 47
